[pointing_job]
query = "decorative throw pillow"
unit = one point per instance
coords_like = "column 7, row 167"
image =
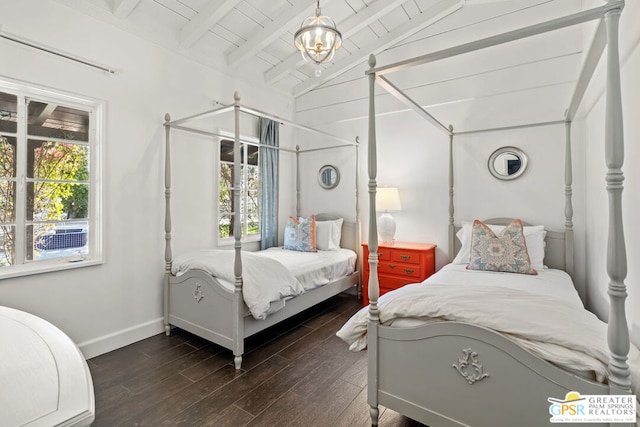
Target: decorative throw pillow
column 300, row 235
column 534, row 236
column 506, row 252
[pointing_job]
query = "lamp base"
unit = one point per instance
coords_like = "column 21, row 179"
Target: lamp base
column 386, row 228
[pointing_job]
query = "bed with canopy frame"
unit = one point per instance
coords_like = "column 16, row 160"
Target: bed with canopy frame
column 410, row 368
column 200, row 303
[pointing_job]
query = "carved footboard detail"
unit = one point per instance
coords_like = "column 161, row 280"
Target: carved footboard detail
column 470, row 358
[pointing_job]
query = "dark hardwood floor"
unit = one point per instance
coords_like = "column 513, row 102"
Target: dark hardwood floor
column 297, row 373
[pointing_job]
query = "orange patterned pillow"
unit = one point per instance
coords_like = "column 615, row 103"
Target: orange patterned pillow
column 506, row 252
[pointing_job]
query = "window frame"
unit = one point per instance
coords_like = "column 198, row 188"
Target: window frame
column 95, row 133
column 245, row 238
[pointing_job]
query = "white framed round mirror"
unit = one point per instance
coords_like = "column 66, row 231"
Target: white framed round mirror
column 507, row 163
column 328, row 177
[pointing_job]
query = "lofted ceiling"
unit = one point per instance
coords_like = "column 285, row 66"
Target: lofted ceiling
column 253, row 39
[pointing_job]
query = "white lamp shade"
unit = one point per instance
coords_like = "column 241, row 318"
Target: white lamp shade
column 388, row 199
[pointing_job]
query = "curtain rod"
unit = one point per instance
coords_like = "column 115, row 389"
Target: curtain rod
column 34, row 45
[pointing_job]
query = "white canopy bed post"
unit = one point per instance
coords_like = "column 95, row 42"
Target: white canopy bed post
column 618, row 332
column 167, row 221
column 374, row 291
column 568, row 205
column 452, row 227
column 358, row 236
column 297, row 181
column 238, row 301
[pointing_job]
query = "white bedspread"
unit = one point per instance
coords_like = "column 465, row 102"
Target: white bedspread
column 271, row 276
column 264, row 280
column 314, row 269
column 547, row 318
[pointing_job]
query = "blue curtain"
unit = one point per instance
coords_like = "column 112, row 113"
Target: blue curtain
column 269, row 135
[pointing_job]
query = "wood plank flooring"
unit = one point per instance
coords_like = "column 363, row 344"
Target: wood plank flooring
column 297, row 373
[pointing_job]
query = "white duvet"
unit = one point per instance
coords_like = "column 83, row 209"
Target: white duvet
column 269, row 277
column 542, row 313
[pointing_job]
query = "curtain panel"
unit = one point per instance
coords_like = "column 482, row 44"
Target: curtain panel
column 269, row 137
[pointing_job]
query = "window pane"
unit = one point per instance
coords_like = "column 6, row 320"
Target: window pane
column 58, row 161
column 252, row 155
column 225, row 226
column 7, row 157
column 7, row 201
column 58, row 240
column 226, row 150
column 226, row 175
column 51, row 120
column 48, row 201
column 7, row 245
column 253, row 178
column 8, row 113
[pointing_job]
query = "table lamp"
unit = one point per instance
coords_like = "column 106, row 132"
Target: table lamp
column 387, row 200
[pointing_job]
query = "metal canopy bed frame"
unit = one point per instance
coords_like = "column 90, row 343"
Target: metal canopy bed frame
column 400, row 375
column 223, row 317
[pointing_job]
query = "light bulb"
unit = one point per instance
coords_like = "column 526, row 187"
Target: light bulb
column 318, row 72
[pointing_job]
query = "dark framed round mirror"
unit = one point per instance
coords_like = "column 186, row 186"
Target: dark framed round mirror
column 328, row 177
column 507, row 163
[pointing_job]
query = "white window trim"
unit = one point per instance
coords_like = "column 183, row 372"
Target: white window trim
column 96, row 139
column 228, row 241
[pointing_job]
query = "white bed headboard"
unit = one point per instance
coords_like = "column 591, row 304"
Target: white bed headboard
column 558, row 245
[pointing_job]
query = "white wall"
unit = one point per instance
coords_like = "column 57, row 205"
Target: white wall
column 595, row 192
column 114, row 304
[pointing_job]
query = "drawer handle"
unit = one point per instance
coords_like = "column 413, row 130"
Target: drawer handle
column 379, row 254
column 405, row 257
column 392, row 267
column 408, row 270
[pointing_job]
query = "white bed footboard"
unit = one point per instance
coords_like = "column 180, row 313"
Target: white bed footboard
column 457, row 374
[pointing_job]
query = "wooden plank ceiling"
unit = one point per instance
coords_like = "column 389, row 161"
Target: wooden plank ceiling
column 253, row 39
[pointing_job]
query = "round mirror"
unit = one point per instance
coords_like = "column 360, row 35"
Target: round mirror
column 507, row 163
column 328, row 177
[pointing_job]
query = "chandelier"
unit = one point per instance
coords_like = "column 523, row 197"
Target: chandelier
column 318, row 39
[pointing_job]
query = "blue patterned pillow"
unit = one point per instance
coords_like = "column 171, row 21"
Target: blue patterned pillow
column 506, row 252
column 300, row 235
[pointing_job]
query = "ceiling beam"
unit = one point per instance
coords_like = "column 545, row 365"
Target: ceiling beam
column 291, row 16
column 42, row 116
column 209, row 16
column 348, row 27
column 122, row 8
column 430, row 16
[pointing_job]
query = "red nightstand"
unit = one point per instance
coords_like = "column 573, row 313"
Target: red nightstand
column 399, row 264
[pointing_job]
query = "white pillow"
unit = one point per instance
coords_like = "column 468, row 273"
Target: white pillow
column 533, row 236
column 328, row 234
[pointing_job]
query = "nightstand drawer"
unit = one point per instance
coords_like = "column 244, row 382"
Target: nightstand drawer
column 411, row 257
column 403, row 270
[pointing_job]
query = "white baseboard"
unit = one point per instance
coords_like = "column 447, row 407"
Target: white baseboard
column 124, row 337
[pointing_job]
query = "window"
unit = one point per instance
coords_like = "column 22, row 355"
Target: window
column 48, row 174
column 249, row 195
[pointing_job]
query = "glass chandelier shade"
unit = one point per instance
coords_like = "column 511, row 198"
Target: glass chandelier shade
column 318, row 38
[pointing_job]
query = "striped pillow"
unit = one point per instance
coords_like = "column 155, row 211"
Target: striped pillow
column 506, row 252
